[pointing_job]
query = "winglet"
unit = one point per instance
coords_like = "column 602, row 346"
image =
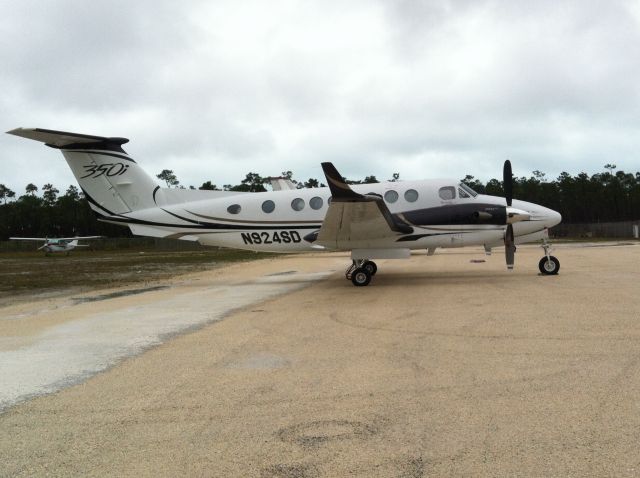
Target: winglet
column 340, row 191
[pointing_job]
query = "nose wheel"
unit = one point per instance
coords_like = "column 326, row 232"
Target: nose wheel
column 361, row 271
column 549, row 265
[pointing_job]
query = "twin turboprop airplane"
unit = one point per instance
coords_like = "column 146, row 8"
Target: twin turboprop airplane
column 60, row 244
column 372, row 221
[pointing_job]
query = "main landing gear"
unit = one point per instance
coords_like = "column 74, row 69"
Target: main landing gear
column 361, row 271
column 548, row 265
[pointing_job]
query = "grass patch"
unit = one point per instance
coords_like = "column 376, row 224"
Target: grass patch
column 34, row 273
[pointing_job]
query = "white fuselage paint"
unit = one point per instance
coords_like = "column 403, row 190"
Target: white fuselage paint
column 53, row 246
column 58, row 248
column 284, row 229
column 120, row 191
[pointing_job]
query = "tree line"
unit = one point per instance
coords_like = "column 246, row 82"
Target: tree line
column 608, row 196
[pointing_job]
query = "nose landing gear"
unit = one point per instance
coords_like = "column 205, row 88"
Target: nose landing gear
column 548, row 265
column 361, row 271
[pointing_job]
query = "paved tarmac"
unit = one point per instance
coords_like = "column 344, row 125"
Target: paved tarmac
column 441, row 367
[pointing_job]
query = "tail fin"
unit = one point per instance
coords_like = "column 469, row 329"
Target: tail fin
column 111, row 180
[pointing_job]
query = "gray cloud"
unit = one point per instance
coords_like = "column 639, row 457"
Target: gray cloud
column 214, row 90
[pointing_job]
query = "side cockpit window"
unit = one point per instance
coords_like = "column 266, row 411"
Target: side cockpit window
column 447, row 193
column 467, row 189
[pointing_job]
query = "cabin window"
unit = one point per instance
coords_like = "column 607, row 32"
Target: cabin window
column 391, row 196
column 463, row 194
column 411, row 195
column 447, row 193
column 297, row 204
column 234, row 209
column 315, row 202
column 268, row 206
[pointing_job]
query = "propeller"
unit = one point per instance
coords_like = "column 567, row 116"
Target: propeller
column 507, row 180
column 509, row 247
column 509, row 243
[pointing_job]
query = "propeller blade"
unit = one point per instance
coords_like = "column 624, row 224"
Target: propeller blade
column 41, row 247
column 509, row 247
column 507, row 181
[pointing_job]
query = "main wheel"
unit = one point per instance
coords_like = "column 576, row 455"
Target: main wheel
column 549, row 266
column 360, row 277
column 371, row 267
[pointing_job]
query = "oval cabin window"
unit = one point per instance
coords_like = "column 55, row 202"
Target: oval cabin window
column 411, row 195
column 268, row 206
column 234, row 209
column 297, row 204
column 391, row 196
column 315, row 202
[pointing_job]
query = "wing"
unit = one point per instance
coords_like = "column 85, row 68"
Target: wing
column 355, row 220
column 78, row 237
column 28, row 238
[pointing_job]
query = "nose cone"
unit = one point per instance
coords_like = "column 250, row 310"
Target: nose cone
column 538, row 214
column 551, row 217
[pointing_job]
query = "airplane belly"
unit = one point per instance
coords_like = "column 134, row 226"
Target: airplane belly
column 527, row 227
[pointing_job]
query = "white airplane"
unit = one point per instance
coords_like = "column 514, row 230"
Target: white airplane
column 373, row 221
column 60, row 244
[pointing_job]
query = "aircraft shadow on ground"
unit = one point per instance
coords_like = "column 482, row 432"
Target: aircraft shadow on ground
column 426, row 278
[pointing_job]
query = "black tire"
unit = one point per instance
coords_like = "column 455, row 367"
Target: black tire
column 549, row 266
column 371, row 267
column 360, row 277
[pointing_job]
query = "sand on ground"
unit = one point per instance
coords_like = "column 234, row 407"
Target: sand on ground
column 441, row 367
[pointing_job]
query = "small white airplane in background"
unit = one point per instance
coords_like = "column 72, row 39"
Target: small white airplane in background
column 60, row 244
column 384, row 220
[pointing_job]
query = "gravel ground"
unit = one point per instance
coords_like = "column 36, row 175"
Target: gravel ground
column 441, row 367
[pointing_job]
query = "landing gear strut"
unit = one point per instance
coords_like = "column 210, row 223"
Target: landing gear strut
column 361, row 271
column 548, row 265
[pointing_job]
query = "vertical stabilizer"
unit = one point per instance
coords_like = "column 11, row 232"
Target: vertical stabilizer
column 111, row 180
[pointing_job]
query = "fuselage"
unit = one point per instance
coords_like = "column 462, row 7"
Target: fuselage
column 53, row 246
column 441, row 212
column 381, row 220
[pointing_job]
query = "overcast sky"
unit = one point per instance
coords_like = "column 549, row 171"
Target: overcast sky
column 215, row 89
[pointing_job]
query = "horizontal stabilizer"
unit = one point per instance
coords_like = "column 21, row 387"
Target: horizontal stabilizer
column 61, row 139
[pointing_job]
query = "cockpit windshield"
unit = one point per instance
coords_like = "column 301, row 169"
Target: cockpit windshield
column 467, row 189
